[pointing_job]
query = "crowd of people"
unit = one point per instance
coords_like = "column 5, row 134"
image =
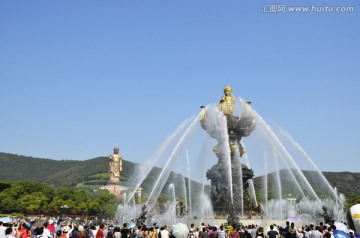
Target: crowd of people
column 80, row 229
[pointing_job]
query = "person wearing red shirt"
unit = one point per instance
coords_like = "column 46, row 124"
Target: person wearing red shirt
column 25, row 232
column 51, row 227
column 100, row 233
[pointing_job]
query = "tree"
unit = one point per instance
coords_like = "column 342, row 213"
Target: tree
column 351, row 200
column 82, row 208
column 8, row 203
column 33, row 202
column 94, row 207
column 4, row 185
column 28, row 197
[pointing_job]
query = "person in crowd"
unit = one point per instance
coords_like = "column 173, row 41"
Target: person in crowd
column 242, row 232
column 260, row 233
column 197, row 232
column 300, row 233
column 272, row 233
column 37, row 232
column 222, row 232
column 145, row 231
column 46, row 231
column 125, row 232
column 17, row 232
column 74, row 231
column 157, row 229
column 286, row 231
column 214, row 233
column 209, row 231
column 58, row 226
column 329, row 233
column 32, row 229
column 234, row 232
column 51, row 227
column 316, row 233
column 25, row 232
column 202, row 226
column 69, row 233
column 139, row 233
column 88, row 232
column 152, row 233
column 117, row 233
column 100, row 233
column 191, row 231
column 307, row 232
column 321, row 229
column 165, row 233
column 94, row 230
column 66, row 231
column 59, row 234
column 159, row 234
column 292, row 230
column 133, row 233
column 8, row 233
column 110, row 233
column 253, row 231
column 81, row 232
column 202, row 231
column 2, row 230
column 248, row 231
column 106, row 230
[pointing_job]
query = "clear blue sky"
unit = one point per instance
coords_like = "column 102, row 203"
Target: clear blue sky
column 80, row 77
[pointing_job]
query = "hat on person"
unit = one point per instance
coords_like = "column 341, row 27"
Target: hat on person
column 51, row 221
column 81, row 228
column 66, row 228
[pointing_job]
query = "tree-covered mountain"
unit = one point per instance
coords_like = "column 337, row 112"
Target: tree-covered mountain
column 93, row 173
column 344, row 182
column 89, row 174
column 54, row 172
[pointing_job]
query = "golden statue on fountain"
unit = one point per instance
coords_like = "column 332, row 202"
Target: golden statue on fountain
column 226, row 104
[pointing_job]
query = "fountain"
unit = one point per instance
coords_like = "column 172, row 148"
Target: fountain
column 229, row 195
column 201, row 190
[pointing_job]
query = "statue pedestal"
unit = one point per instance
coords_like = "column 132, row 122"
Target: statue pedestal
column 114, row 188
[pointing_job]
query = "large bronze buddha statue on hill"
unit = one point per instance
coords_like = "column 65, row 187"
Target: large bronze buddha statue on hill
column 115, row 166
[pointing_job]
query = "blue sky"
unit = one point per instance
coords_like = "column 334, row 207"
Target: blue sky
column 80, row 77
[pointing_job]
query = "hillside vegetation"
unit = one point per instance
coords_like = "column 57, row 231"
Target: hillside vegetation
column 89, row 174
column 92, row 173
column 345, row 182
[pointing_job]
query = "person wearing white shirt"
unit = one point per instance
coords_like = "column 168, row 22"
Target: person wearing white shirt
column 8, row 233
column 165, row 233
column 46, row 232
column 94, row 230
column 2, row 230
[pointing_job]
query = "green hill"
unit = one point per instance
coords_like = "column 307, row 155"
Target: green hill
column 346, row 183
column 54, row 172
column 88, row 174
column 92, row 173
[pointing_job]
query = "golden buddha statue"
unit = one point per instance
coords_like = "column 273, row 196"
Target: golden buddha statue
column 226, row 104
column 115, row 165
